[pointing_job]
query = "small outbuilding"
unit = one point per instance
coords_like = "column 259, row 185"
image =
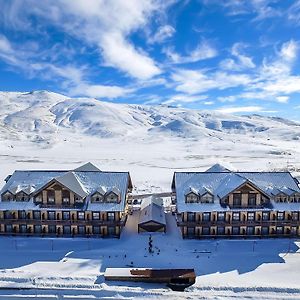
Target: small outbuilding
column 152, row 216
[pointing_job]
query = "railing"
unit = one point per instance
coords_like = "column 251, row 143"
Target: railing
column 240, row 223
column 238, row 236
column 63, row 222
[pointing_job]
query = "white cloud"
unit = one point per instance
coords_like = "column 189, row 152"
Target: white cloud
column 208, row 102
column 293, row 12
column 239, row 109
column 4, row 44
column 105, row 25
column 240, row 61
column 183, row 98
column 100, row 91
column 117, row 52
column 262, row 9
column 197, row 81
column 163, row 33
column 289, row 50
column 282, row 99
column 203, row 51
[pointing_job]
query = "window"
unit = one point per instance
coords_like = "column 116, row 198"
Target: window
column 65, row 197
column 51, row 215
column 96, row 229
column 250, row 230
column 279, row 230
column 51, row 229
column 8, row 215
column 22, row 214
column 66, row 201
column 221, row 216
column 280, row 215
column 251, row 199
column 237, row 199
column 38, row 198
column 80, row 215
column 236, row 216
column 8, row 228
column 97, row 197
column 206, row 217
column 205, row 231
column 111, row 230
column 78, row 200
column 81, row 229
column 110, row 216
column 191, row 231
column 37, row 228
column 281, row 198
column 295, row 216
column 221, row 230
column 235, row 230
column 67, row 229
column 7, row 196
column 66, row 215
column 191, row 198
column 251, row 216
column 112, row 197
column 265, row 230
column 96, row 216
column 294, row 230
column 266, row 216
column 36, row 215
column 23, row 228
column 207, row 198
column 51, row 197
column 22, row 197
column 191, row 217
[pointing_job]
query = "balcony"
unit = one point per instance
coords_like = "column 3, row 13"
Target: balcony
column 239, row 223
column 63, row 222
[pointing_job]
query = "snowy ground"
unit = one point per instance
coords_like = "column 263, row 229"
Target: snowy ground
column 73, row 268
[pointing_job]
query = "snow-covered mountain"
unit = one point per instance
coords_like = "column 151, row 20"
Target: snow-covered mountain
column 47, row 130
column 43, row 116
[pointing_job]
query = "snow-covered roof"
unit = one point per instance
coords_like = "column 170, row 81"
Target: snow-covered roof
column 72, row 182
column 82, row 183
column 222, row 183
column 217, row 168
column 88, row 167
column 156, row 200
column 153, row 211
column 34, row 179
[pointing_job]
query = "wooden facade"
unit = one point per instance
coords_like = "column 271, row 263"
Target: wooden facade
column 56, row 210
column 245, row 212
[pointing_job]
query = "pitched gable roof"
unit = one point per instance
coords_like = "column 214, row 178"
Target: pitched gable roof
column 217, row 168
column 88, row 167
column 72, row 182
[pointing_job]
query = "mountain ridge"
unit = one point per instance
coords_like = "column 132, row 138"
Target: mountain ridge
column 45, row 116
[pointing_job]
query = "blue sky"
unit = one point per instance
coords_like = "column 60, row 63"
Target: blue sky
column 231, row 56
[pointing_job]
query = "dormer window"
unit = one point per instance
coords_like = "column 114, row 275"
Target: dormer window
column 281, row 198
column 112, row 197
column 21, row 196
column 97, row 197
column 207, row 198
column 7, row 196
column 191, row 198
column 78, row 200
column 50, row 197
